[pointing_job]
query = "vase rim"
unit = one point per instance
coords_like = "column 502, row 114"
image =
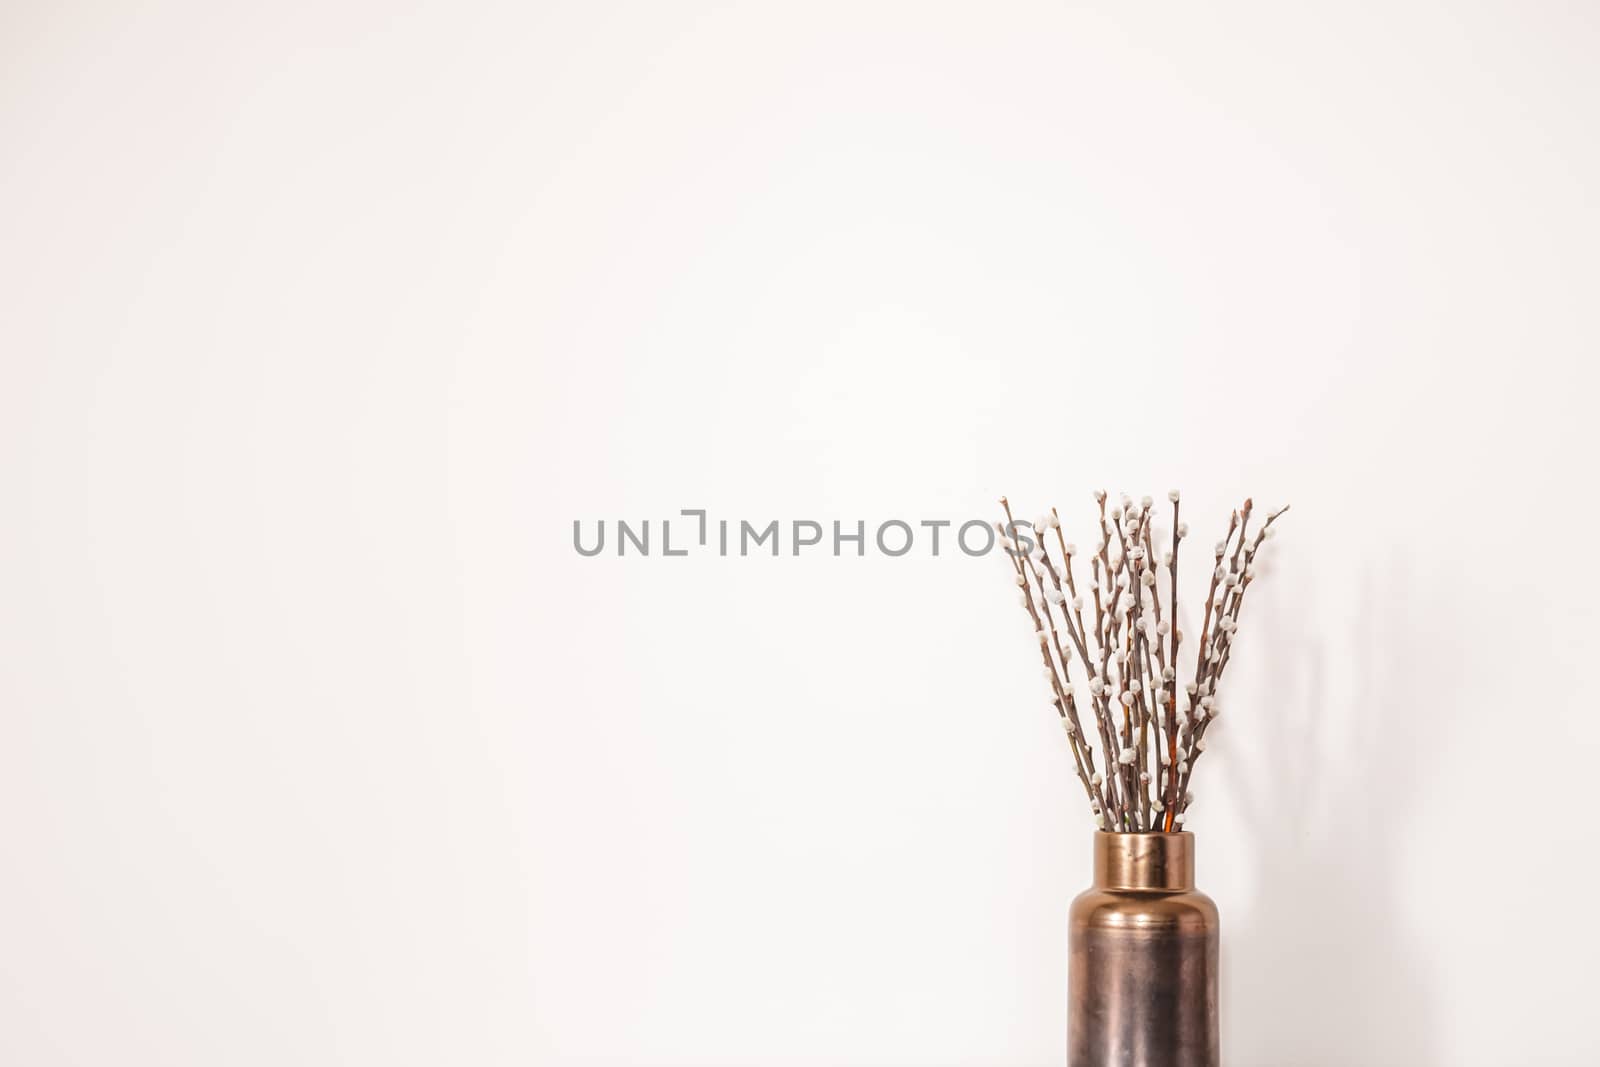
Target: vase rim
column 1153, row 862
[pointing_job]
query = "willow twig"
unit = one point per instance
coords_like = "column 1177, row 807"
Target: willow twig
column 1130, row 654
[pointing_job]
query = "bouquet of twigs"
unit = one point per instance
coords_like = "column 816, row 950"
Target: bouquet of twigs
column 1149, row 729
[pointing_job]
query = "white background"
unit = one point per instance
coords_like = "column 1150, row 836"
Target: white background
column 322, row 322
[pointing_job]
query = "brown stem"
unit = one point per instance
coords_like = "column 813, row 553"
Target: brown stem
column 1062, row 700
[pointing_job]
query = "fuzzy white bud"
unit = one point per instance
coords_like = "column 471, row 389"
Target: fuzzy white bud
column 1127, row 756
column 1173, row 496
column 1145, row 502
column 1178, row 819
column 1183, row 530
column 1098, row 780
column 1099, row 496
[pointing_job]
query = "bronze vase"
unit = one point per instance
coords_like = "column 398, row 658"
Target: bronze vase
column 1142, row 981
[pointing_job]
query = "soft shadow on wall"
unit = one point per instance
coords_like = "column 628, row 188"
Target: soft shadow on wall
column 1321, row 970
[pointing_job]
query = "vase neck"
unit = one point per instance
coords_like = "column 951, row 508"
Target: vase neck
column 1154, row 863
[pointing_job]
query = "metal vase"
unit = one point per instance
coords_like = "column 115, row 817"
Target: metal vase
column 1142, row 982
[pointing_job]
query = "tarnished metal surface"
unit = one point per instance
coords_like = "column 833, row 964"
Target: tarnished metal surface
column 1143, row 941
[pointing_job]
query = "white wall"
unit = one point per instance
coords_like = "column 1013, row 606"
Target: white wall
column 322, row 322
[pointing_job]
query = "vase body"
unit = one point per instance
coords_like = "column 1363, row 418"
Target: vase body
column 1142, row 980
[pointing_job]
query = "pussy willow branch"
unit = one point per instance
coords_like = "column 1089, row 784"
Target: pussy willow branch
column 1124, row 638
column 1058, row 687
column 1225, row 642
column 1171, row 780
column 1105, row 605
column 1079, row 636
column 1130, row 654
column 1056, row 594
column 1155, row 674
